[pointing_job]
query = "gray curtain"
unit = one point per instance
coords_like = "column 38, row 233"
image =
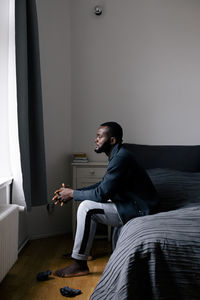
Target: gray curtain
column 29, row 99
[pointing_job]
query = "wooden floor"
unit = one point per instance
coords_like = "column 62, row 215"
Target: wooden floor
column 47, row 254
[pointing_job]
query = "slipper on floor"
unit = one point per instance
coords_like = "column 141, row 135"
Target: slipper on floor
column 69, row 292
column 42, row 276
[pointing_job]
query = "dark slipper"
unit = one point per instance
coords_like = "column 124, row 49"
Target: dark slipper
column 68, row 292
column 42, row 276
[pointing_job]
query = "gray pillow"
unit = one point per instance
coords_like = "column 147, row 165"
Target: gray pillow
column 175, row 188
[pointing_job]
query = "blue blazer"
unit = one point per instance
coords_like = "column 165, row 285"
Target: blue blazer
column 126, row 183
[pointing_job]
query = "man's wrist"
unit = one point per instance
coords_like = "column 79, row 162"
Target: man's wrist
column 72, row 193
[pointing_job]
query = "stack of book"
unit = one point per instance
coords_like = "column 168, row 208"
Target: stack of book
column 80, row 158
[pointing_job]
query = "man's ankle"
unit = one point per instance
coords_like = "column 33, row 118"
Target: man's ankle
column 82, row 263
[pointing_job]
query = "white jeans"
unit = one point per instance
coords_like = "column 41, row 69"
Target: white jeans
column 88, row 215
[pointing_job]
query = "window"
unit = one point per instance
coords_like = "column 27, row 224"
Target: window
column 4, row 54
column 10, row 165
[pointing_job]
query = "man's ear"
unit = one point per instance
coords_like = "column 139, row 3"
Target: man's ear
column 113, row 140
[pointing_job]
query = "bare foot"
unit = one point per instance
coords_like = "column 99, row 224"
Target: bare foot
column 72, row 271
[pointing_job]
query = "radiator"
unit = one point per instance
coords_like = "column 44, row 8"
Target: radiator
column 9, row 219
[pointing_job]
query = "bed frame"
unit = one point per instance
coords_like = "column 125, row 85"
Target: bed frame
column 158, row 257
column 183, row 158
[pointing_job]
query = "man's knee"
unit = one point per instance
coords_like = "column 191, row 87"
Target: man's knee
column 84, row 207
column 89, row 209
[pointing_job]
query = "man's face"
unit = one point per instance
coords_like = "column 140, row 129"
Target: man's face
column 102, row 140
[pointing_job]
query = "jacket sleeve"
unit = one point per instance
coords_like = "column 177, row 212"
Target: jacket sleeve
column 107, row 187
column 90, row 187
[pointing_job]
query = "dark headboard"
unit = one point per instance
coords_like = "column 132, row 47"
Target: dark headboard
column 183, row 158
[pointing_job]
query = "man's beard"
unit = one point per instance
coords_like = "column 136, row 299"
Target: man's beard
column 106, row 147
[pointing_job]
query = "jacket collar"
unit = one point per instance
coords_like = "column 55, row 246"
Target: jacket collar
column 114, row 151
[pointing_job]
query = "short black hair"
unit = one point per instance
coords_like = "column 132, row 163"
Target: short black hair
column 115, row 130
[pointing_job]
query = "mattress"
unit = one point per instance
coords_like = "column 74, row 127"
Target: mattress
column 156, row 257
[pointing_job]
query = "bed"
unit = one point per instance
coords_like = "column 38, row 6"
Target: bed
column 157, row 257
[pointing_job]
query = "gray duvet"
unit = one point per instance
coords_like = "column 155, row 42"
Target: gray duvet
column 157, row 257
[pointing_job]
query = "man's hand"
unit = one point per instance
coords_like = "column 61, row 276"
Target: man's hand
column 63, row 195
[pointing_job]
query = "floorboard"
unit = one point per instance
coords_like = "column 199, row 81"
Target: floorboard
column 51, row 254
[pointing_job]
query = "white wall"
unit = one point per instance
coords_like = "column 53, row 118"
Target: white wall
column 54, row 33
column 138, row 64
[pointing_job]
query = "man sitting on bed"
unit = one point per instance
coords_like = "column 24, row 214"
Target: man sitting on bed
column 125, row 192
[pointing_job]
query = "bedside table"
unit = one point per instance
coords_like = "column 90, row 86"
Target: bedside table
column 85, row 174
